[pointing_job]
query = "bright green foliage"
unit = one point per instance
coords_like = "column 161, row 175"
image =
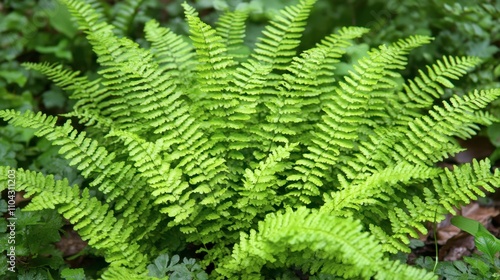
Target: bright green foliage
column 203, row 142
column 125, row 12
column 329, row 244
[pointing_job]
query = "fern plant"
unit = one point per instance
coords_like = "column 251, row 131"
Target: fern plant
column 265, row 162
column 485, row 265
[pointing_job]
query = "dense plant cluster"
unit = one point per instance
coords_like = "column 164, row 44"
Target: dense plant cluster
column 258, row 159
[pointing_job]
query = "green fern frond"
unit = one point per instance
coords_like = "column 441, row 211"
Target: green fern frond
column 289, row 238
column 86, row 92
column 99, row 6
column 375, row 190
column 259, row 191
column 231, row 28
column 315, row 66
column 192, row 142
column 172, row 53
column 351, row 111
column 137, row 87
column 114, row 178
column 298, row 100
column 465, row 183
column 97, row 224
column 421, row 91
column 445, row 191
column 282, row 36
column 85, row 154
column 367, row 90
column 210, row 49
column 145, row 94
column 273, row 51
column 174, row 194
column 291, row 102
column 64, row 78
column 144, row 87
column 211, row 98
column 88, row 18
column 93, row 220
column 428, row 139
column 166, row 183
column 114, row 272
column 394, row 270
column 45, row 190
column 336, row 43
column 125, row 12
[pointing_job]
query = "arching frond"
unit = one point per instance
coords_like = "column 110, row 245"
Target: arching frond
column 351, row 112
column 125, row 13
column 92, row 219
column 429, row 138
column 337, row 246
column 231, row 28
column 88, row 18
column 173, row 53
column 420, row 92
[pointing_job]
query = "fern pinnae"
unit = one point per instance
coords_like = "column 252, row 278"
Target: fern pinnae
column 93, row 219
column 336, row 45
column 275, row 46
column 282, row 35
column 88, row 16
column 406, row 141
column 210, row 51
column 325, row 55
column 116, row 245
column 420, row 92
column 172, row 53
column 460, row 112
column 465, row 183
column 91, row 159
column 369, row 190
column 125, row 12
column 275, row 49
column 86, row 92
column 64, row 78
column 320, row 75
column 151, row 102
column 452, row 188
column 231, row 28
column 57, row 191
column 305, row 80
column 364, row 93
column 298, row 88
column 213, row 99
column 376, row 71
column 342, row 37
column 154, row 169
column 300, row 230
column 113, row 58
column 258, row 194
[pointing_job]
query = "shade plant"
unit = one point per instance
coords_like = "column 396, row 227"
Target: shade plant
column 261, row 163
